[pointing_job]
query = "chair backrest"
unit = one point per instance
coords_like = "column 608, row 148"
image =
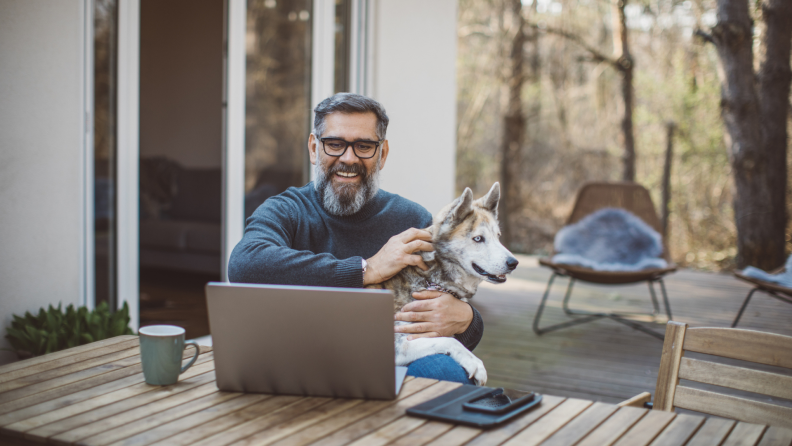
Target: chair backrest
column 625, row 195
column 746, row 345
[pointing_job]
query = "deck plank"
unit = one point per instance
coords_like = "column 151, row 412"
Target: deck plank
column 603, row 360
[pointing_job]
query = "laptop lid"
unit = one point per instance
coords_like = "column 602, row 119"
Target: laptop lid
column 314, row 341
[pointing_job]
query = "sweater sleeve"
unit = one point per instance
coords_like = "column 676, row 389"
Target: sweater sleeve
column 471, row 337
column 265, row 254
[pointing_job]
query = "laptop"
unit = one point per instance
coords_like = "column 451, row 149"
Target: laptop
column 296, row 340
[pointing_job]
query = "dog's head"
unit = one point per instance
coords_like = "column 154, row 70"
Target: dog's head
column 466, row 233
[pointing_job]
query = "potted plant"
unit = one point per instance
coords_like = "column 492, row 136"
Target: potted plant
column 54, row 329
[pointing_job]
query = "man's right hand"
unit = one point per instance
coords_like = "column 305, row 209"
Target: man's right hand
column 396, row 254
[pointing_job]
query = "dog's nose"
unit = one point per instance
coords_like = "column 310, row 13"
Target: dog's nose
column 512, row 263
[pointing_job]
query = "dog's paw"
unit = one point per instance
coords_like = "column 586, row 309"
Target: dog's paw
column 475, row 368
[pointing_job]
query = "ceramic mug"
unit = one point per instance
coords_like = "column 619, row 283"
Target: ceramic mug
column 161, row 350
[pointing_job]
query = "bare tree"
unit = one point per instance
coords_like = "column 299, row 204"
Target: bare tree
column 755, row 115
column 514, row 125
column 621, row 61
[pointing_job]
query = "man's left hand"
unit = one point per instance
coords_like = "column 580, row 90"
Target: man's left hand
column 435, row 314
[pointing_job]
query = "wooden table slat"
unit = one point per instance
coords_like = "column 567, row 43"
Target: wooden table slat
column 64, row 380
column 202, row 372
column 424, row 434
column 129, row 411
column 456, row 436
column 223, row 423
column 165, row 434
column 70, row 355
column 71, row 372
column 82, row 395
column 744, row 434
column 502, row 433
column 65, row 361
column 390, row 432
column 712, row 432
column 63, row 421
column 313, row 416
column 362, row 427
column 646, row 430
column 266, row 421
column 614, row 427
column 679, row 431
column 116, row 436
column 582, row 425
column 550, row 424
column 776, row 436
column 367, row 408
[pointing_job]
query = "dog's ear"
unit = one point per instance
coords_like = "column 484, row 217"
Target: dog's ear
column 490, row 201
column 460, row 208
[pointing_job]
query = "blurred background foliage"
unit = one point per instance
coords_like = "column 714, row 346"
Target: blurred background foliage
column 573, row 108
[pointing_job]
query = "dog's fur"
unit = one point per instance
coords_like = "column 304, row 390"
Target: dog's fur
column 464, row 233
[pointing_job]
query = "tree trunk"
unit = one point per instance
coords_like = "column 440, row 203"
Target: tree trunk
column 740, row 109
column 774, row 77
column 513, row 128
column 669, row 158
column 621, row 46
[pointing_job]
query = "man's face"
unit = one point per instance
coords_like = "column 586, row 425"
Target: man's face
column 345, row 183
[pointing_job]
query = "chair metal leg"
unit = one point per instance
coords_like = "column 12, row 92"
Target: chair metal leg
column 540, row 310
column 565, row 305
column 588, row 316
column 542, row 305
column 665, row 299
column 745, row 304
column 652, row 294
column 592, row 316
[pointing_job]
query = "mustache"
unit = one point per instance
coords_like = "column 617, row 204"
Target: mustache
column 349, row 168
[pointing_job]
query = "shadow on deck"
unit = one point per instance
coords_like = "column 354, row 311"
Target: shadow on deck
column 602, row 360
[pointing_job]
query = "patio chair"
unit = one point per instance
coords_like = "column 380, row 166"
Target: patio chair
column 592, row 197
column 779, row 292
column 734, row 343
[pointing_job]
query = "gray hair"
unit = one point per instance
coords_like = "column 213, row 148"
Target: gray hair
column 350, row 103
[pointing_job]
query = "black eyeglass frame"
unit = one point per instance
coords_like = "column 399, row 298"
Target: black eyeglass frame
column 349, row 144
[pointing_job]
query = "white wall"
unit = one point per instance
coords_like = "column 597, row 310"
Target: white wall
column 415, row 79
column 41, row 156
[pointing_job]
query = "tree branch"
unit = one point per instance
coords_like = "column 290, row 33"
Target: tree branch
column 707, row 37
column 596, row 54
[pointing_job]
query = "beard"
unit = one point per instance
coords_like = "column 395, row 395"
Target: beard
column 345, row 199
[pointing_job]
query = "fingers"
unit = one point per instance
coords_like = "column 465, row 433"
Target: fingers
column 417, row 328
column 418, row 245
column 415, row 234
column 431, row 334
column 418, row 261
column 425, row 294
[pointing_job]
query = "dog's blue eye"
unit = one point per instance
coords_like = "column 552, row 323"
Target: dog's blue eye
column 478, row 239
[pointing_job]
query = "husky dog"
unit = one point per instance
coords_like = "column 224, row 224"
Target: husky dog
column 467, row 251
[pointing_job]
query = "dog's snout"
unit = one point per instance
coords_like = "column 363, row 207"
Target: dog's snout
column 512, row 263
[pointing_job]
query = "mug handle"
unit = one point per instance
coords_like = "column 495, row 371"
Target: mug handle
column 192, row 361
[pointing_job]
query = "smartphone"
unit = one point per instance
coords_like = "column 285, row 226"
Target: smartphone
column 499, row 401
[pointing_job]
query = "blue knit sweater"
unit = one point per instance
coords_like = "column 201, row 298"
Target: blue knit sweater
column 291, row 240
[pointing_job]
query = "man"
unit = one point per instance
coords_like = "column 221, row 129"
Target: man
column 341, row 230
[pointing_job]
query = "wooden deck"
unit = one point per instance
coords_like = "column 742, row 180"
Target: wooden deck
column 602, row 360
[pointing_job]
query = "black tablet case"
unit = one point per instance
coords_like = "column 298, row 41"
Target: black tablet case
column 448, row 407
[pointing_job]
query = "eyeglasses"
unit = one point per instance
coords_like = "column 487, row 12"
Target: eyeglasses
column 362, row 149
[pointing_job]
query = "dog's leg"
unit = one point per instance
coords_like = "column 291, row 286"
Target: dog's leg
column 409, row 351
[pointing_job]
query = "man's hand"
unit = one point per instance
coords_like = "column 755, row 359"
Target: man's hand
column 396, row 254
column 435, row 314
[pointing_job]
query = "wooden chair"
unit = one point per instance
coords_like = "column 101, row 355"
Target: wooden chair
column 591, row 198
column 774, row 290
column 746, row 345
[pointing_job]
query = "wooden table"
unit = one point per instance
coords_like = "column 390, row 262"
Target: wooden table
column 95, row 395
